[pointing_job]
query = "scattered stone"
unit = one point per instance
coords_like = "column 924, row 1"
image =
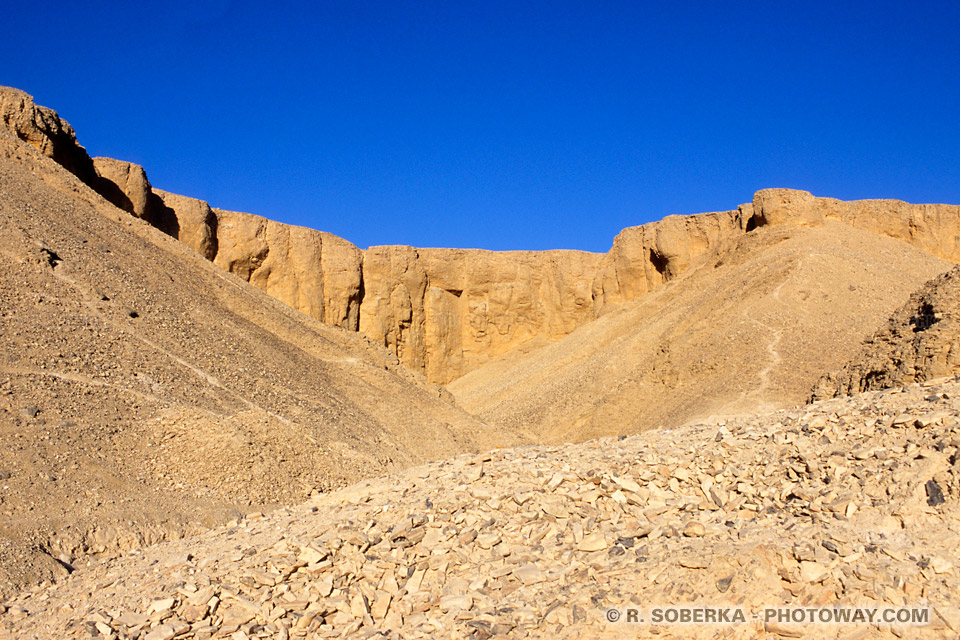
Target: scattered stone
column 934, row 493
column 493, row 557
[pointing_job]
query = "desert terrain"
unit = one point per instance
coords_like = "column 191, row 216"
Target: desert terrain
column 218, row 425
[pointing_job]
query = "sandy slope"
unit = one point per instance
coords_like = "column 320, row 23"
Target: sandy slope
column 145, row 392
column 752, row 328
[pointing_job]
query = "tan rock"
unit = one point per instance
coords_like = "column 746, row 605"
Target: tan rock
column 813, row 572
column 918, row 343
column 593, row 542
column 448, row 311
column 193, row 220
column 316, row 273
column 645, row 257
column 45, row 131
column 126, row 185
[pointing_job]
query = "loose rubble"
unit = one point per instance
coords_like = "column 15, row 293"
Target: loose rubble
column 919, row 342
column 828, row 504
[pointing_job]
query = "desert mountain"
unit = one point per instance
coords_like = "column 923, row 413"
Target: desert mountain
column 147, row 393
column 167, row 366
column 751, row 326
column 448, row 312
column 921, row 341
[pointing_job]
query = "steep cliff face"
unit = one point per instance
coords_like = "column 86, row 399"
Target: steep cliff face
column 448, row 311
column 314, row 272
column 920, row 342
column 125, row 185
column 193, row 220
column 643, row 258
column 934, row 228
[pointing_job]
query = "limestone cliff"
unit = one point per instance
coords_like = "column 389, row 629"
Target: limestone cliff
column 445, row 312
column 934, row 228
column 45, row 131
column 125, row 184
column 642, row 258
column 314, row 272
column 448, row 311
column 193, row 222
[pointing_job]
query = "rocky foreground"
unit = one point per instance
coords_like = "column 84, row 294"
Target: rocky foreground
column 850, row 501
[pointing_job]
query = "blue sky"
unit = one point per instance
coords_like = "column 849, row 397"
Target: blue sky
column 503, row 125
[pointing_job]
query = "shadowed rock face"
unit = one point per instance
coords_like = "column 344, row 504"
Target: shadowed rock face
column 920, row 342
column 46, row 132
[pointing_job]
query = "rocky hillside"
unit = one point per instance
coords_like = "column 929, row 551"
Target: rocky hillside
column 851, row 502
column 750, row 330
column 446, row 312
column 146, row 393
column 921, row 341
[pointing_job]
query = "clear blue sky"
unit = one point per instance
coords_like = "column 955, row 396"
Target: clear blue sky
column 503, row 125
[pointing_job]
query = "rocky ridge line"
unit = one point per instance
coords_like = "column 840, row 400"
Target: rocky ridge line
column 447, row 312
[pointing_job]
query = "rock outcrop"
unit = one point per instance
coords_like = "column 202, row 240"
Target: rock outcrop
column 920, row 342
column 125, row 185
column 46, row 132
column 934, row 228
column 448, row 311
column 194, row 222
column 644, row 257
column 752, row 328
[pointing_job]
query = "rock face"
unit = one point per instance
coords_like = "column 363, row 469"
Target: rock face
column 125, row 184
column 847, row 503
column 195, row 223
column 314, row 272
column 921, row 341
column 448, row 311
column 46, row 132
column 934, row 228
column 643, row 258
